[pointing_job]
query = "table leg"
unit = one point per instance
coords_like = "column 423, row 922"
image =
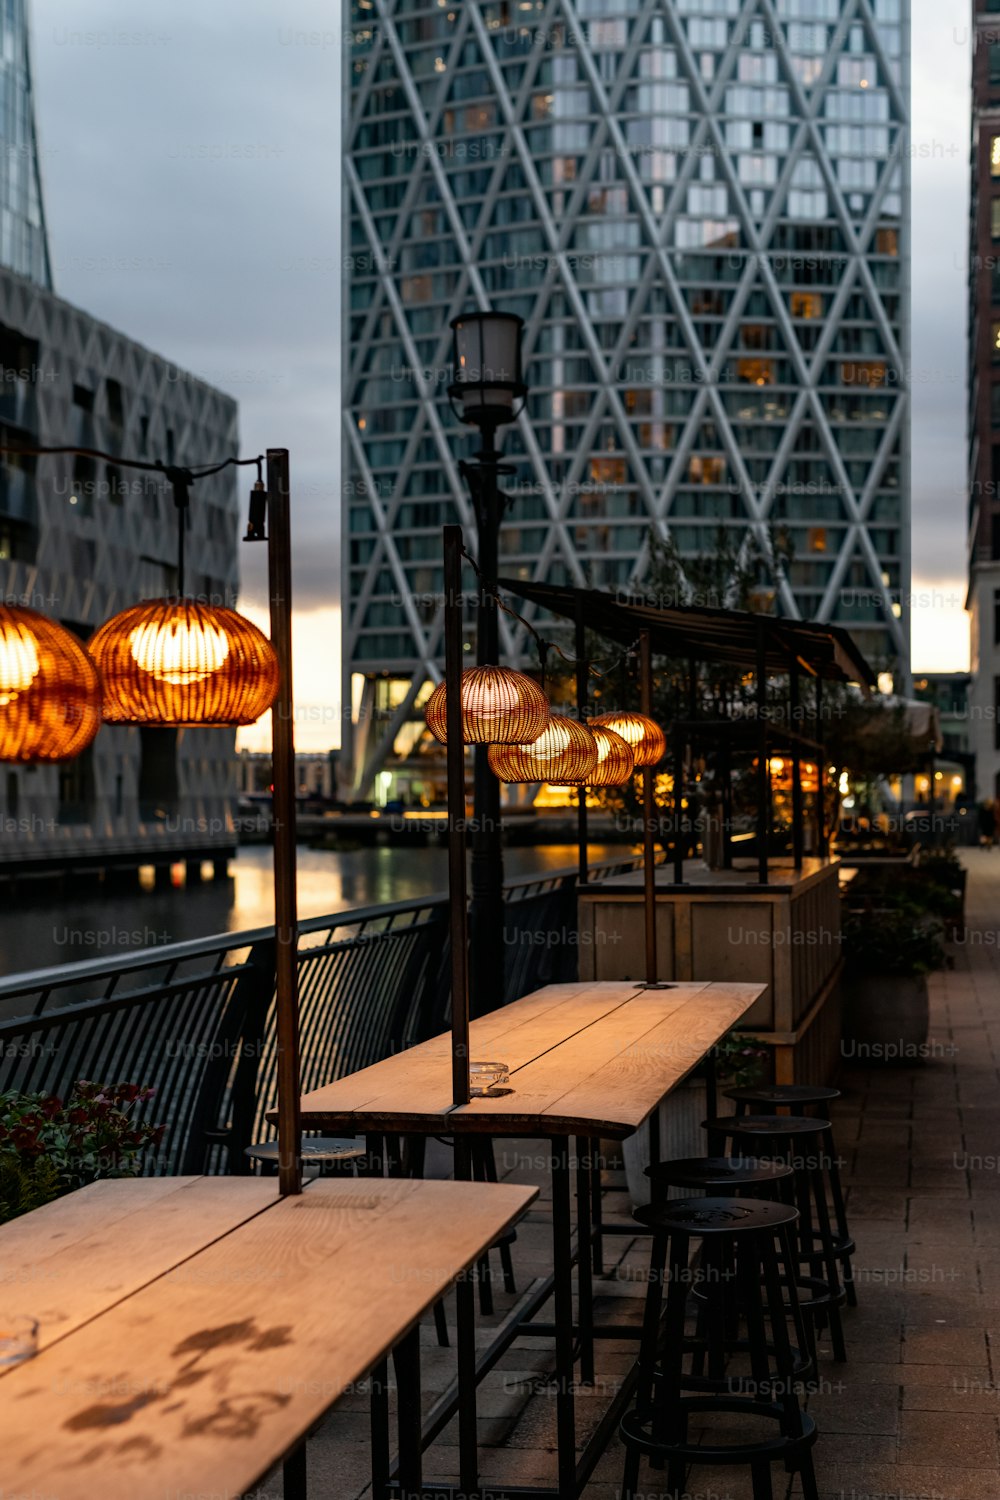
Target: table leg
column 380, row 1431
column 584, row 1269
column 465, row 1337
column 406, row 1358
column 654, row 1137
column 562, row 1267
column 293, row 1472
column 597, row 1208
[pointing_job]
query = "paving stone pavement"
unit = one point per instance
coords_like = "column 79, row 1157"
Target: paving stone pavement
column 913, row 1414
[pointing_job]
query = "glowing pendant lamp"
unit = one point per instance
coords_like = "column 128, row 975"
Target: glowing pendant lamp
column 177, row 662
column 564, row 752
column 50, row 694
column 499, row 707
column 615, row 760
column 644, row 735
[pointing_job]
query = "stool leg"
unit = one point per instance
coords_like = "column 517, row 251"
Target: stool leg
column 441, row 1324
column 840, row 1217
column 647, row 1358
column 760, row 1476
column 489, row 1166
column 830, row 1262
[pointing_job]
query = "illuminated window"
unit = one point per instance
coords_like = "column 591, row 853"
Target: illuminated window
column 887, row 242
column 706, row 470
column 995, row 156
column 607, row 470
column 995, row 218
column 807, row 305
column 995, row 340
column 755, row 371
column 817, row 539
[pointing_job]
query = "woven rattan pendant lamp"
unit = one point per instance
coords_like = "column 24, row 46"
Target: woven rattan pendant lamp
column 50, row 694
column 564, row 752
column 175, row 662
column 615, row 760
column 179, row 662
column 644, row 735
column 499, row 707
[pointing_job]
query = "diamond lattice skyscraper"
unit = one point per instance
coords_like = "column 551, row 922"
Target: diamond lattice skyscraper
column 700, row 208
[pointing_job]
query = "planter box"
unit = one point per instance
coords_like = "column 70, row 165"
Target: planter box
column 722, row 925
column 886, row 1020
column 681, row 1114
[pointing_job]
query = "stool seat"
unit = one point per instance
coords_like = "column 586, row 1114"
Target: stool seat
column 716, row 1171
column 703, row 1216
column 766, row 1125
column 782, row 1093
column 318, row 1148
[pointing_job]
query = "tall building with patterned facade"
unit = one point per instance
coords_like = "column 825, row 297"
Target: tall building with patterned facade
column 983, row 600
column 82, row 538
column 700, row 209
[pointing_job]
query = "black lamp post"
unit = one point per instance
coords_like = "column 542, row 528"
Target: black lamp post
column 487, row 392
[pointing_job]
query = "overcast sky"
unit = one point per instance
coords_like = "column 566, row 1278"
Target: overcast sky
column 197, row 141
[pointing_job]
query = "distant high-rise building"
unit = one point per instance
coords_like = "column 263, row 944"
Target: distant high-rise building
column 983, row 600
column 81, row 538
column 700, row 208
column 24, row 245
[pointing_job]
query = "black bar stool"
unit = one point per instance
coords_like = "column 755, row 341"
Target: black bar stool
column 715, row 1175
column 804, row 1144
column 744, row 1240
column 798, row 1097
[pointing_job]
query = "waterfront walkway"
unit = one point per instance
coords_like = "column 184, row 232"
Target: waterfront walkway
column 914, row 1413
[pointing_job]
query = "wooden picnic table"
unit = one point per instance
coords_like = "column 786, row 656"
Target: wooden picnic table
column 587, row 1059
column 193, row 1330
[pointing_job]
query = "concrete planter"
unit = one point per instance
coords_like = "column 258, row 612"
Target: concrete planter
column 886, row 1020
column 681, row 1114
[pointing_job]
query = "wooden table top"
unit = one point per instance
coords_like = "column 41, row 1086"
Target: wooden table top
column 590, row 1058
column 194, row 1329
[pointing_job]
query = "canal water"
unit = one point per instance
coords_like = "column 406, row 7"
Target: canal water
column 87, row 921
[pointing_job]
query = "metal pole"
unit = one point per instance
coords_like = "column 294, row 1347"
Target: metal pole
column 286, row 926
column 648, row 851
column 763, row 777
column 798, row 841
column 487, row 911
column 823, row 849
column 458, row 921
column 581, row 713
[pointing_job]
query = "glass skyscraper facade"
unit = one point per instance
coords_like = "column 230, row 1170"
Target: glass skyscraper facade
column 700, row 209
column 23, row 241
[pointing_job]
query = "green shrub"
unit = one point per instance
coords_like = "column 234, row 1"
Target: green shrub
column 49, row 1147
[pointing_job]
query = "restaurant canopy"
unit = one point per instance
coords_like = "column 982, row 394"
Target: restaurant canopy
column 696, row 633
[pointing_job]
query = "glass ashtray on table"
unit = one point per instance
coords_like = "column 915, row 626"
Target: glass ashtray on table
column 489, row 1080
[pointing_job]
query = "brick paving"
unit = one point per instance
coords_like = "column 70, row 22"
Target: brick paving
column 913, row 1415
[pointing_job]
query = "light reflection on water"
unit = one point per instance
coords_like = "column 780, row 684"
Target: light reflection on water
column 88, row 922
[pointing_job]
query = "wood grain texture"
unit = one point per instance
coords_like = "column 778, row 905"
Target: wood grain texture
column 74, row 1258
column 587, row 1058
column 201, row 1381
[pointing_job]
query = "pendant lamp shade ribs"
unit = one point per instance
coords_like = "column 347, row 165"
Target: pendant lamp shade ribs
column 50, row 693
column 499, row 707
column 615, row 761
column 643, row 734
column 178, row 662
column 565, row 751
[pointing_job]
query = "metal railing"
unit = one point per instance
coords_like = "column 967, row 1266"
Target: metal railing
column 195, row 1020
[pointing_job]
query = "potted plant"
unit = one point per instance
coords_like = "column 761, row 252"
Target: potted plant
column 49, row 1146
column 740, row 1060
column 888, row 953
